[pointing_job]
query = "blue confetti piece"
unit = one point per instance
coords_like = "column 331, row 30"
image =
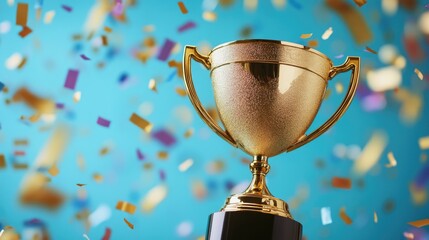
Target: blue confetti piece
column 1, row 86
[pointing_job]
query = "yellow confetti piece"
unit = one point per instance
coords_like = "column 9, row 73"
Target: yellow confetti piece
column 98, row 178
column 104, row 151
column 141, row 123
column 181, row 92
column 162, row 155
column 188, row 133
column 126, row 207
column 250, row 5
column 128, row 223
column 420, row 223
column 392, row 160
column 327, row 33
column 76, row 96
column 149, row 28
column 209, row 16
column 279, row 4
column 419, row 74
column 107, row 29
column 54, row 171
column 339, row 87
column 97, row 15
column 185, row 165
column 418, row 195
column 152, row 85
column 153, row 198
column 375, row 217
column 49, row 16
column 20, row 142
column 306, row 35
column 41, row 105
column 412, row 104
column 343, row 215
column 371, row 153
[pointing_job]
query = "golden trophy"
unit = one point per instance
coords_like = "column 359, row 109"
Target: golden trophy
column 267, row 95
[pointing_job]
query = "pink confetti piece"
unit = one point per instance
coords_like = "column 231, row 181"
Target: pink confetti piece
column 118, row 9
column 67, row 8
column 103, row 122
column 71, row 79
column 186, row 26
column 140, row 155
column 166, row 49
column 164, row 137
column 84, row 57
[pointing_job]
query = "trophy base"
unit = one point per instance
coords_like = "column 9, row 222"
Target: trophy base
column 252, row 225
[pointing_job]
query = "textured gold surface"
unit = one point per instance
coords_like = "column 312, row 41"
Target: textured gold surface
column 267, row 94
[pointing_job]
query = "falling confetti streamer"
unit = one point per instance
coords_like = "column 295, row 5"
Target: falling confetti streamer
column 368, row 49
column 67, row 8
column 100, row 215
column 166, row 49
column 2, row 161
column 186, row 26
column 22, row 14
column 130, row 225
column 360, row 3
column 107, row 234
column 185, row 165
column 152, row 85
column 84, row 57
column 371, row 153
column 49, row 17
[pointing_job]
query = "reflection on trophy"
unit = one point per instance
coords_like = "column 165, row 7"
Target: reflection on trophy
column 267, row 94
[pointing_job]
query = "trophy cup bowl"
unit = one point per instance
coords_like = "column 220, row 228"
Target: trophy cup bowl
column 267, row 94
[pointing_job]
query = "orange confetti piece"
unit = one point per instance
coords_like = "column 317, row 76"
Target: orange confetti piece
column 344, row 183
column 420, row 223
column 104, row 151
column 22, row 14
column 181, row 92
column 126, row 207
column 107, row 29
column 418, row 73
column 368, row 49
column 162, row 155
column 313, row 43
column 97, row 177
column 360, row 3
column 104, row 40
column 25, row 31
column 2, row 161
column 343, row 215
column 54, row 171
column 306, row 35
column 182, row 7
column 141, row 123
column 128, row 223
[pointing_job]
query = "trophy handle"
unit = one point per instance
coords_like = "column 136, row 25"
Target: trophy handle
column 353, row 64
column 191, row 52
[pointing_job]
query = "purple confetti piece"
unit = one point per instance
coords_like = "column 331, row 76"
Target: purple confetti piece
column 339, row 56
column 59, row 105
column 166, row 49
column 71, row 79
column 34, row 223
column 118, row 9
column 427, row 6
column 84, row 57
column 162, row 175
column 103, row 122
column 186, row 26
column 374, row 102
column 164, row 137
column 423, row 177
column 140, row 155
column 67, row 8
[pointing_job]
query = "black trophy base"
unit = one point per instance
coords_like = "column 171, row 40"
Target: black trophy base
column 251, row 225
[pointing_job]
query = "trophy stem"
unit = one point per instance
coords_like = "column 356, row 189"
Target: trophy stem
column 259, row 168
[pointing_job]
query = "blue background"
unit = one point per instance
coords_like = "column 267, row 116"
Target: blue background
column 124, row 176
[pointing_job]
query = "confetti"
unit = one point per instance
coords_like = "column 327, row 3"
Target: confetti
column 313, row 43
column 383, row 79
column 184, row 229
column 104, row 151
column 164, row 137
column 354, row 20
column 185, row 165
column 424, row 143
column 325, row 213
column 371, row 153
column 392, row 160
column 2, row 161
column 279, row 4
column 360, row 3
column 86, row 236
column 126, row 207
column 22, row 14
column 412, row 104
column 97, row 177
column 209, row 16
column 15, row 61
column 182, row 7
column 104, row 40
column 250, row 5
column 71, row 79
column 152, row 85
column 408, row 235
column 118, row 9
column 368, row 49
column 375, row 217
column 1, row 232
column 107, row 29
column 76, row 96
column 418, row 73
column 199, row 189
column 140, row 155
column 346, row 219
column 389, row 6
column 306, row 35
column 181, row 92
column 422, row 177
column 20, row 142
column 25, row 31
column 67, row 8
column 107, row 234
column 162, row 155
column 103, row 122
column 153, row 198
column 166, row 49
column 84, row 57
column 420, row 223
column 186, row 26
column 49, row 17
column 97, row 16
column 423, row 23
column 128, row 223
column 215, row 167
column 343, row 183
column 54, row 171
column 141, row 123
column 100, row 215
column 188, row 133
column 328, row 32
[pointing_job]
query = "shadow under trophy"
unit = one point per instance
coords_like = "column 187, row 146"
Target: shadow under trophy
column 267, row 95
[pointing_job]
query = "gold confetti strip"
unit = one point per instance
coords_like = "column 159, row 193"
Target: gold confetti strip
column 149, row 28
column 418, row 195
column 2, row 161
column 343, row 215
column 126, row 207
column 20, row 166
column 370, row 50
column 182, row 7
column 420, row 223
column 22, row 14
column 371, row 153
column 141, row 123
column 153, row 198
column 327, row 33
column 306, row 35
column 152, row 85
column 188, row 133
column 98, row 178
column 185, row 165
column 375, row 217
column 96, row 16
column 313, row 43
column 392, row 160
column 424, row 143
column 181, row 92
column 107, row 29
column 360, row 3
column 54, row 171
column 128, row 223
column 354, row 20
column 412, row 104
column 279, row 4
column 42, row 105
column 419, row 74
column 209, row 16
column 104, row 151
column 104, row 40
column 162, row 155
